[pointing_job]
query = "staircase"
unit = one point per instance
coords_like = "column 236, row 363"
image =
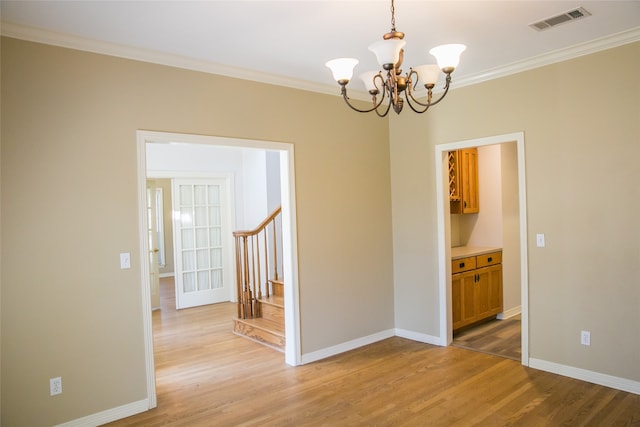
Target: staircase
column 268, row 328
column 259, row 285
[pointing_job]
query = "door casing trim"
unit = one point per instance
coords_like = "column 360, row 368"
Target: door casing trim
column 444, row 235
column 290, row 247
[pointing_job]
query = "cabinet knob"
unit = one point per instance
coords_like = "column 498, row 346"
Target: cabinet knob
column 462, row 265
column 490, row 259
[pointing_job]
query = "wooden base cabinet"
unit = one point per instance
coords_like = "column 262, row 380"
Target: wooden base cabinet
column 476, row 292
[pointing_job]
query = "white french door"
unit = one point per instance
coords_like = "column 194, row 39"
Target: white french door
column 152, row 232
column 202, row 239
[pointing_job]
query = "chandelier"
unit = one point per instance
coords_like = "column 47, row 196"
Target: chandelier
column 389, row 53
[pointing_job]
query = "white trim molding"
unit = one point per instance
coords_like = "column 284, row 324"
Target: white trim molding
column 420, row 337
column 571, row 52
column 109, row 415
column 145, row 290
column 606, row 380
column 38, row 35
column 370, row 339
column 510, row 313
column 346, row 346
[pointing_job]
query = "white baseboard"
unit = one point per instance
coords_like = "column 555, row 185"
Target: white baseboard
column 345, row 346
column 109, row 415
column 163, row 275
column 618, row 383
column 420, row 337
column 510, row 313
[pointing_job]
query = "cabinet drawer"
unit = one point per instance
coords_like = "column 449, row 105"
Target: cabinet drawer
column 489, row 259
column 463, row 264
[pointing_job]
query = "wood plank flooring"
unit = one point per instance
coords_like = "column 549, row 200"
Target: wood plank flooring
column 207, row 376
column 497, row 337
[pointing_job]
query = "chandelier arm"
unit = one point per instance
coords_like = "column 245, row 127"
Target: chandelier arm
column 375, row 105
column 410, row 97
column 385, row 111
column 409, row 93
column 430, row 103
column 412, row 73
column 446, row 90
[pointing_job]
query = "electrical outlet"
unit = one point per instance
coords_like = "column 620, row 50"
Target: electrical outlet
column 585, row 338
column 55, row 386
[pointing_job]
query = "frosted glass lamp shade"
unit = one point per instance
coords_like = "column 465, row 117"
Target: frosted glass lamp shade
column 448, row 55
column 367, row 77
column 342, row 68
column 427, row 74
column 387, row 51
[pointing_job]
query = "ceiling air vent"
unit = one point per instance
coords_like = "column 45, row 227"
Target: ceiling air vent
column 569, row 16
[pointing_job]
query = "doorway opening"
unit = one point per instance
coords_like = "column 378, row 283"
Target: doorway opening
column 518, row 242
column 285, row 154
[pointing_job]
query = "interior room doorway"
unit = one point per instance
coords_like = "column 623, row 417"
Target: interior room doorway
column 286, row 157
column 445, row 234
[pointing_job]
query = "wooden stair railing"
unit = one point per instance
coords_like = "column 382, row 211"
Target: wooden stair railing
column 257, row 264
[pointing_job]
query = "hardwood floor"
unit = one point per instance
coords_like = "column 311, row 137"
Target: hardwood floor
column 497, row 337
column 207, row 376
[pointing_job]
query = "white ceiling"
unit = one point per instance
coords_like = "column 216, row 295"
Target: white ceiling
column 288, row 42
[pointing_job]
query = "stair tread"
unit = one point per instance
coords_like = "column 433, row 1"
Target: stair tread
column 264, row 324
column 273, row 300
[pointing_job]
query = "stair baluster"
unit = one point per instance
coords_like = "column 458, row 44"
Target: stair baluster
column 254, row 263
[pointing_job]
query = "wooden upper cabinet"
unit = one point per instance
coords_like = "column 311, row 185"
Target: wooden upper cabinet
column 463, row 181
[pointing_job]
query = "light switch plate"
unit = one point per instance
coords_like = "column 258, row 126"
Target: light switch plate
column 125, row 260
column 540, row 240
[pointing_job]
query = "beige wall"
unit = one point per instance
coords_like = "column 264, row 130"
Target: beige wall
column 581, row 121
column 70, row 206
column 68, row 165
column 510, row 229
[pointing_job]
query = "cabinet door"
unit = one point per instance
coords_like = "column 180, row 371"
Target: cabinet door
column 495, row 289
column 463, row 299
column 489, row 291
column 456, row 300
column 469, row 186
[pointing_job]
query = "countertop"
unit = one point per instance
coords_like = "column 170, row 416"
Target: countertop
column 467, row 251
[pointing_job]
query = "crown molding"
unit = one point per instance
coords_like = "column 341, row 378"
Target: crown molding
column 575, row 51
column 38, row 35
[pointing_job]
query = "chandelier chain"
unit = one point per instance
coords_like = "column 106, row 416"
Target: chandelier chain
column 393, row 16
